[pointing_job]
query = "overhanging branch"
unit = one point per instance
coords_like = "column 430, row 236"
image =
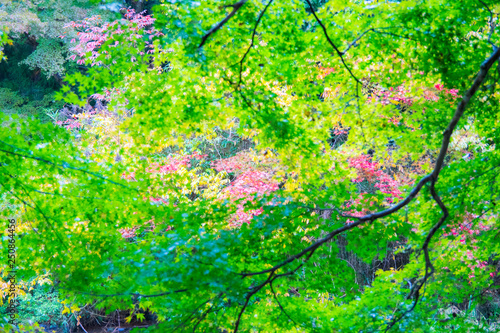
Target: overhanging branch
column 432, row 178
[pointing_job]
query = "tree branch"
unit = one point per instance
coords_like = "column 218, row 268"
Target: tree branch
column 375, row 30
column 281, row 306
column 205, row 313
column 63, row 166
column 370, row 217
column 129, row 294
column 219, row 25
column 432, row 177
column 247, row 299
column 485, row 67
column 492, row 25
column 340, row 54
column 341, row 213
column 270, row 279
column 253, row 38
column 429, row 267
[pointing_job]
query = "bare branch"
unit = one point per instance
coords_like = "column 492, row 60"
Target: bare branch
column 429, row 267
column 485, row 67
column 375, row 30
column 361, row 220
column 279, row 304
column 205, row 313
column 341, row 213
column 269, row 281
column 36, row 208
column 129, row 294
column 356, row 40
column 247, row 299
column 176, row 329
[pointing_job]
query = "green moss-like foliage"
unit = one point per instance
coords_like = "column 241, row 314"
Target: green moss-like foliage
column 24, row 90
column 42, row 305
column 49, row 57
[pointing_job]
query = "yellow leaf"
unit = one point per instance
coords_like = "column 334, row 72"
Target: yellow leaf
column 140, row 316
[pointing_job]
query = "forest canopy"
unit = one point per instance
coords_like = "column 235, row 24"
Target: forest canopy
column 250, row 166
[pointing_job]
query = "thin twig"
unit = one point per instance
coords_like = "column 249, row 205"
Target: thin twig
column 205, row 313
column 491, row 23
column 247, row 299
column 191, row 315
column 339, row 53
column 78, row 321
column 353, row 43
column 37, row 208
column 253, row 38
column 341, row 213
column 64, row 166
column 281, row 306
column 136, row 295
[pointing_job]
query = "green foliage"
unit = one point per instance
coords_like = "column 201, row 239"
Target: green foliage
column 4, row 39
column 40, row 305
column 48, row 56
column 12, row 102
column 287, row 76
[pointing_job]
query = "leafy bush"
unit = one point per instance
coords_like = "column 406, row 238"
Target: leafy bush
column 12, row 102
column 38, row 303
column 49, row 56
column 42, row 305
